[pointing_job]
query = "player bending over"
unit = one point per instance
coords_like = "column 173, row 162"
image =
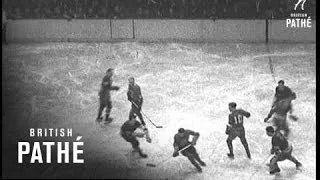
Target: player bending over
column 281, row 149
column 235, row 128
column 281, row 107
column 181, row 140
column 128, row 133
column 284, row 93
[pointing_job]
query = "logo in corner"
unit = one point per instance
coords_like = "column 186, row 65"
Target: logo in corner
column 297, row 19
column 299, row 2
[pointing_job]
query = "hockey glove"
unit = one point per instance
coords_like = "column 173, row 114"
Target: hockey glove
column 266, row 119
column 145, row 130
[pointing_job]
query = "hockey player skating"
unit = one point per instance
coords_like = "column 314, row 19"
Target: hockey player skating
column 181, row 140
column 281, row 106
column 128, row 132
column 235, row 128
column 136, row 99
column 104, row 95
column 281, row 149
column 283, row 92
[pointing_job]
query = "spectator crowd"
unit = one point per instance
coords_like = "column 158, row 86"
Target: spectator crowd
column 153, row 9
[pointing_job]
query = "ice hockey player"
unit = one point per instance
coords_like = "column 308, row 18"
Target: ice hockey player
column 280, row 107
column 235, row 128
column 181, row 140
column 282, row 150
column 104, row 95
column 128, row 132
column 283, row 92
column 136, row 99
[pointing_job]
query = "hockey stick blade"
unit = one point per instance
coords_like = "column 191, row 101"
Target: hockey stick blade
column 159, row 126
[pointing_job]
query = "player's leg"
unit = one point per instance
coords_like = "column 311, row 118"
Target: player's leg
column 197, row 157
column 278, row 122
column 291, row 116
column 288, row 155
column 135, row 145
column 108, row 110
column 230, row 138
column 137, row 111
column 273, row 166
column 282, row 124
column 189, row 154
column 245, row 143
column 131, row 113
column 286, row 128
column 102, row 105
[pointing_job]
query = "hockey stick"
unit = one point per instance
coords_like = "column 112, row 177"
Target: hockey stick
column 146, row 116
column 153, row 165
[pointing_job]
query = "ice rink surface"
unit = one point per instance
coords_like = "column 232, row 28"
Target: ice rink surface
column 189, row 85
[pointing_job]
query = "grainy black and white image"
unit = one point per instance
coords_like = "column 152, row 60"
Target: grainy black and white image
column 159, row 89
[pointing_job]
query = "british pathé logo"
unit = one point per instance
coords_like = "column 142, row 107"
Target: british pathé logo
column 299, row 19
column 300, row 2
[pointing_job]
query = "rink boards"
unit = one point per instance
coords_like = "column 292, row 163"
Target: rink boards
column 157, row 30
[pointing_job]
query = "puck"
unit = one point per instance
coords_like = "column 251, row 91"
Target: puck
column 151, row 165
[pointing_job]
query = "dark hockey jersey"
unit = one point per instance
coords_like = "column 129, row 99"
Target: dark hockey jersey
column 236, row 117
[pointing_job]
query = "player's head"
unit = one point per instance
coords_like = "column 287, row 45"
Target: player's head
column 110, row 71
column 181, row 131
column 133, row 117
column 232, row 106
column 270, row 130
column 131, row 81
column 281, row 84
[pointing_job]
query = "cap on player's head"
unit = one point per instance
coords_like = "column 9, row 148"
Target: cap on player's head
column 269, row 129
column 281, row 82
column 233, row 105
column 181, row 130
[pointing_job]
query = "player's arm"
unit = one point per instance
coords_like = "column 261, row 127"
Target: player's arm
column 292, row 94
column 195, row 137
column 272, row 110
column 245, row 113
column 145, row 131
column 175, row 146
column 115, row 88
